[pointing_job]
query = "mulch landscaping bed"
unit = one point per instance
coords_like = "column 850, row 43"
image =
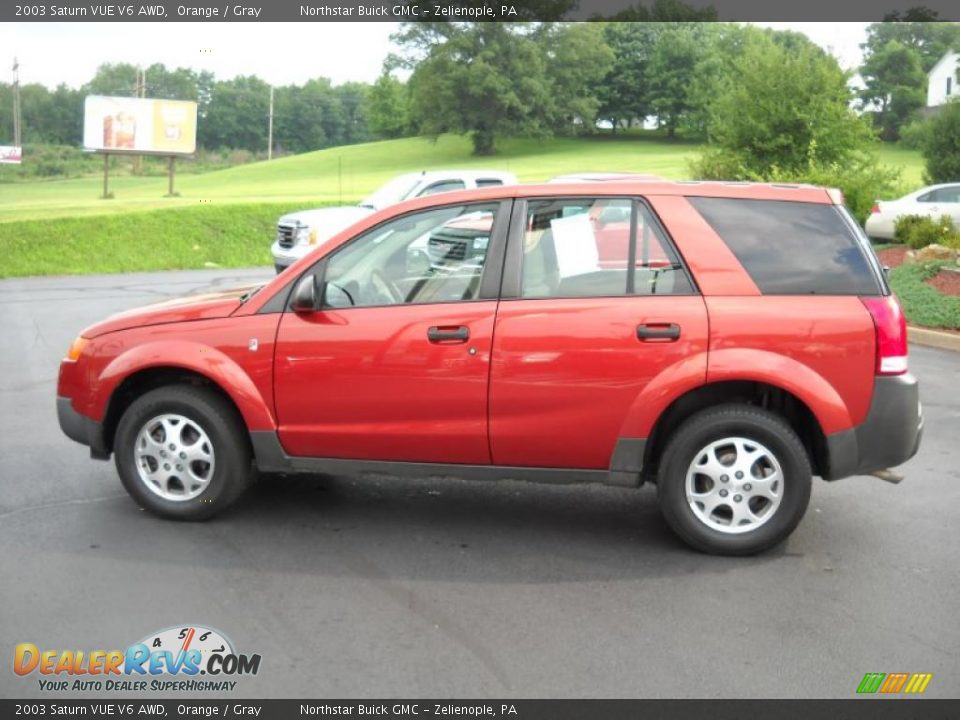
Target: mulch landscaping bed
column 893, row 257
column 947, row 282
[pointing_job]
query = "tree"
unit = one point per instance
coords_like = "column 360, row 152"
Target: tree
column 786, row 110
column 236, row 115
column 930, row 39
column 388, row 107
column 941, row 145
column 787, row 118
column 678, row 51
column 894, row 84
column 490, row 79
column 624, row 94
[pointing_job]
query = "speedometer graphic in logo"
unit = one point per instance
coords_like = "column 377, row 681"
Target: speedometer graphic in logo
column 183, row 639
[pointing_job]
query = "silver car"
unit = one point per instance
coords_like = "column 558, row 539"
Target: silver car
column 299, row 232
column 932, row 201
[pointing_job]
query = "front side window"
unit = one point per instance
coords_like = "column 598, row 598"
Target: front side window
column 433, row 256
column 597, row 247
column 489, row 182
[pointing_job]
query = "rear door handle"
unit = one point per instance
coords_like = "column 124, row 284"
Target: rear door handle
column 658, row 331
column 448, row 334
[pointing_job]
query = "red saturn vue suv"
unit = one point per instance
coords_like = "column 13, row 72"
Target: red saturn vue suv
column 725, row 341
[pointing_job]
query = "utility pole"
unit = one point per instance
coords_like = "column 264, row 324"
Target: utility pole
column 140, row 91
column 16, row 104
column 270, row 128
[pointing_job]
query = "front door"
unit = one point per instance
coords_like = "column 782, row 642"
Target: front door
column 395, row 366
column 596, row 317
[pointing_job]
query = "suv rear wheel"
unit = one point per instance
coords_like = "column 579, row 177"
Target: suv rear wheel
column 182, row 453
column 734, row 480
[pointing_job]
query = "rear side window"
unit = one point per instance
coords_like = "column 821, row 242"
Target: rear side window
column 791, row 248
column 489, row 182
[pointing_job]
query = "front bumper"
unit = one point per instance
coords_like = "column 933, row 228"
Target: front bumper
column 285, row 257
column 82, row 429
column 889, row 436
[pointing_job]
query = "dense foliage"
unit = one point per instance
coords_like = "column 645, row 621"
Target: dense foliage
column 941, row 145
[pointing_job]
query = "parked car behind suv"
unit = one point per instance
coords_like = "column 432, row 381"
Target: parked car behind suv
column 298, row 233
column 933, row 201
column 723, row 341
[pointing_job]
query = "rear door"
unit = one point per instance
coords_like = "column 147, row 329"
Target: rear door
column 584, row 325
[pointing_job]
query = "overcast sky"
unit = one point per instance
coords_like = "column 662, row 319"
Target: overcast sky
column 280, row 53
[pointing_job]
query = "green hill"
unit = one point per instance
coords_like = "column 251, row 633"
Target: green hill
column 342, row 174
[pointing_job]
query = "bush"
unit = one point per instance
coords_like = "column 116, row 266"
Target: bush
column 861, row 178
column 913, row 135
column 918, row 231
column 941, row 147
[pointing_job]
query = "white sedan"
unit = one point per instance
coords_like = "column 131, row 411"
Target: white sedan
column 932, row 201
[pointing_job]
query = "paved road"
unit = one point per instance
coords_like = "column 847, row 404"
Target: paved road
column 377, row 587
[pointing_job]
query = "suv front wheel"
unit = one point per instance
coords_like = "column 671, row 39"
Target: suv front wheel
column 182, row 453
column 734, row 480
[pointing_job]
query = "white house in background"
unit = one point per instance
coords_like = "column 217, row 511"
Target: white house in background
column 942, row 80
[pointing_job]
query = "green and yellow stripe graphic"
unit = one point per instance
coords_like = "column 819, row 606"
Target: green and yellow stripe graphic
column 893, row 683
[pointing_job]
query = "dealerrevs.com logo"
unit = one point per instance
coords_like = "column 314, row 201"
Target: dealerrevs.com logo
column 186, row 658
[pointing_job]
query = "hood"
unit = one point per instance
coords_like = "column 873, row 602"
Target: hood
column 183, row 309
column 327, row 221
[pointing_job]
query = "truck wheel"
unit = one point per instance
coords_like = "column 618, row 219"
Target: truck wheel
column 734, row 480
column 182, row 452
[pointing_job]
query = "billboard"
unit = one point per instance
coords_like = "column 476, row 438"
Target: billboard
column 139, row 126
column 9, row 155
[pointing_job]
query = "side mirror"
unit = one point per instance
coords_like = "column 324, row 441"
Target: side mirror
column 306, row 295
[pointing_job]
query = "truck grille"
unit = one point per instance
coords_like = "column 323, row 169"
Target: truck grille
column 286, row 235
column 444, row 250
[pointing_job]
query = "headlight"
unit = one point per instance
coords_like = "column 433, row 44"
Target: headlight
column 302, row 234
column 76, row 348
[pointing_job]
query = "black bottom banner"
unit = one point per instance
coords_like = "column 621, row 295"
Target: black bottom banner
column 853, row 709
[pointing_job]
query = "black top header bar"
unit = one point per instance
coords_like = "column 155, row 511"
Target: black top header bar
column 475, row 10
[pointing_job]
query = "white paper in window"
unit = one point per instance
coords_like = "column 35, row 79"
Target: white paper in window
column 575, row 245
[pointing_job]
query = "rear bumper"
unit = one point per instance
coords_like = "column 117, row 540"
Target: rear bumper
column 888, row 437
column 880, row 227
column 82, row 429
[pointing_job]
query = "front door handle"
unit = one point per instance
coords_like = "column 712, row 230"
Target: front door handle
column 647, row 332
column 448, row 334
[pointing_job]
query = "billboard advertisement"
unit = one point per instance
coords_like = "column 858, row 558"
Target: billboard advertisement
column 10, row 155
column 139, row 125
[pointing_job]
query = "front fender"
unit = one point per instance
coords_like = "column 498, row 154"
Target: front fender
column 195, row 357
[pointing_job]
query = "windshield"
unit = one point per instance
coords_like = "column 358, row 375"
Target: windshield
column 393, row 192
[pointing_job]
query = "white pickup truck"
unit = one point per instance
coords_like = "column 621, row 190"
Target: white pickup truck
column 299, row 232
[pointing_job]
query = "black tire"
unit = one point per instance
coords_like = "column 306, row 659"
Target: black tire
column 714, row 424
column 232, row 471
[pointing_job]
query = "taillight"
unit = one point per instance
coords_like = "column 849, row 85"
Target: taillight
column 891, row 331
column 875, row 209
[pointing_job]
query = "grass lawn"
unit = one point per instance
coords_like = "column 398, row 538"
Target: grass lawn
column 193, row 237
column 343, row 174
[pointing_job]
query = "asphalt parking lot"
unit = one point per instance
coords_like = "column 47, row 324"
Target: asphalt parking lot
column 377, row 587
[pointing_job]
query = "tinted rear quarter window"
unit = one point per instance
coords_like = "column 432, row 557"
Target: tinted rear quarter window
column 791, row 248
